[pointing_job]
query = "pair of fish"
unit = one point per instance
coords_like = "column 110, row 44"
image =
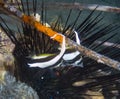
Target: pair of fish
column 48, row 31
column 65, row 57
column 46, row 61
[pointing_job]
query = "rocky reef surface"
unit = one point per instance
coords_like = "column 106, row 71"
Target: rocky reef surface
column 10, row 88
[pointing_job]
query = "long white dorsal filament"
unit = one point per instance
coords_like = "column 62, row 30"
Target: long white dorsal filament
column 72, row 55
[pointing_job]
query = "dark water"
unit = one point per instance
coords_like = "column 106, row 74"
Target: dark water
column 109, row 17
column 103, row 2
column 116, row 3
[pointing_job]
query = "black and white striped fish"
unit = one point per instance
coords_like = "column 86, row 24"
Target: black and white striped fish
column 49, row 59
column 72, row 56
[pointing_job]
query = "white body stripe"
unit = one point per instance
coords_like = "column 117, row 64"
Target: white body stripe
column 72, row 55
column 52, row 61
column 77, row 38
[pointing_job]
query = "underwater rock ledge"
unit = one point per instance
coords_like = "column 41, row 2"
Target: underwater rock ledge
column 12, row 89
